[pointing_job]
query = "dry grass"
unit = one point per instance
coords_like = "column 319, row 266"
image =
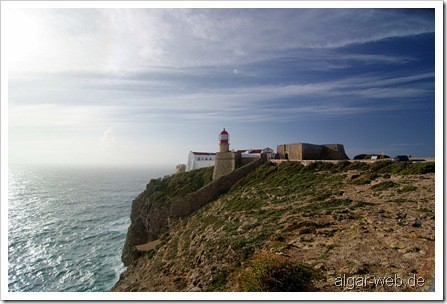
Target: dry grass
column 314, row 215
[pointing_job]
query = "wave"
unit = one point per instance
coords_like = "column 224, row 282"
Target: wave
column 66, row 228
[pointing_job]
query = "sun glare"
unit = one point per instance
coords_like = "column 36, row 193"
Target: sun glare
column 26, row 37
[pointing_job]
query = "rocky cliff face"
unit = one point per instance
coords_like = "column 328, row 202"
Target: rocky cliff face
column 151, row 209
column 357, row 219
column 149, row 219
column 175, row 196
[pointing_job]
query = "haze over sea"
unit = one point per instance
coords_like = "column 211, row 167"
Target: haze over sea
column 67, row 225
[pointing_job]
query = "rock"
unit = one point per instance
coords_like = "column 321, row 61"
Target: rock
column 180, row 168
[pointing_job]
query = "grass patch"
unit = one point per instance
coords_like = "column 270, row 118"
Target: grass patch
column 244, row 247
column 218, row 281
column 384, row 186
column 278, row 246
column 307, row 230
column 162, row 190
column 407, row 188
column 365, row 179
column 272, row 273
column 328, row 205
column 361, row 204
column 324, row 256
column 393, row 167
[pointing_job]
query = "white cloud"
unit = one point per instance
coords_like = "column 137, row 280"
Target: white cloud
column 108, row 140
column 154, row 73
column 53, row 116
column 128, row 40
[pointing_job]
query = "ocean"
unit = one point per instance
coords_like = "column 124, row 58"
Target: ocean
column 67, row 225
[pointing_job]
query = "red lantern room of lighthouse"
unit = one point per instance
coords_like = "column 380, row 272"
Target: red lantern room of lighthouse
column 224, row 141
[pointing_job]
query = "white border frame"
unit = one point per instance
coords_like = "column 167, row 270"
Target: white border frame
column 439, row 144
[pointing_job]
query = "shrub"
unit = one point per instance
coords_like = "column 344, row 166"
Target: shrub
column 384, row 185
column 318, row 166
column 365, row 179
column 341, row 166
column 361, row 204
column 327, row 205
column 407, row 188
column 273, row 273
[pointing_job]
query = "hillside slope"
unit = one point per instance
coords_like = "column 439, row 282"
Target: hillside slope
column 296, row 228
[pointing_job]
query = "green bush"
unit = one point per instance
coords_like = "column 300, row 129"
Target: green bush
column 273, row 273
column 384, row 185
column 327, row 205
column 407, row 188
column 161, row 190
column 365, row 179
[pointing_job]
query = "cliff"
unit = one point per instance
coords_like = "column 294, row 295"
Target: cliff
column 172, row 197
column 286, row 227
column 151, row 209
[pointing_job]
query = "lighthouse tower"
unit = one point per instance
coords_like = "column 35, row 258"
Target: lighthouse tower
column 224, row 144
column 226, row 160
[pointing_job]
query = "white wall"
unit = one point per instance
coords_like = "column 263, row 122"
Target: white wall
column 200, row 161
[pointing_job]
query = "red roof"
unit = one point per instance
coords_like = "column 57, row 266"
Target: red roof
column 252, row 151
column 203, row 153
column 224, row 132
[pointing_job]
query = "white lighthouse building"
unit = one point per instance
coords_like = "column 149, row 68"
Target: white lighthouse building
column 197, row 160
column 224, row 143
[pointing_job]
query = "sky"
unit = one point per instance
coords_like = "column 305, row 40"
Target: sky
column 147, row 86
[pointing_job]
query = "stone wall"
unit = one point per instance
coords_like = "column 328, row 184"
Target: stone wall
column 312, row 152
column 225, row 163
column 304, row 151
column 185, row 205
column 149, row 220
column 246, row 160
column 335, row 152
column 294, row 151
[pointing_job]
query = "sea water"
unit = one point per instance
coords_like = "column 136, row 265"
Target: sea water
column 67, row 226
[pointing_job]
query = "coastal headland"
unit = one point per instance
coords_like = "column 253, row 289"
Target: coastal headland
column 286, row 226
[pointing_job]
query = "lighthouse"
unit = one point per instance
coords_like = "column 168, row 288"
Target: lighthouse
column 226, row 160
column 224, row 144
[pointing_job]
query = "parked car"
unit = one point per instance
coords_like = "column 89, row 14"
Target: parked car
column 401, row 158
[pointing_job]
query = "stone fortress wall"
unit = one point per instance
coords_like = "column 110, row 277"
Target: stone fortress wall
column 226, row 162
column 150, row 220
column 183, row 206
column 305, row 151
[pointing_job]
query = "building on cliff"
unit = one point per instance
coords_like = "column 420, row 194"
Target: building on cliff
column 226, row 160
column 305, row 151
column 197, row 160
column 256, row 153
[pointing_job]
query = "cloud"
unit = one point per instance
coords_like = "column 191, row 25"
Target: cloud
column 53, row 117
column 133, row 101
column 108, row 139
column 129, row 40
column 103, row 81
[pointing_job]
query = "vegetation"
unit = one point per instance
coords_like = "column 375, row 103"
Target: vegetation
column 364, row 179
column 407, row 188
column 179, row 184
column 273, row 273
column 239, row 240
column 384, row 186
